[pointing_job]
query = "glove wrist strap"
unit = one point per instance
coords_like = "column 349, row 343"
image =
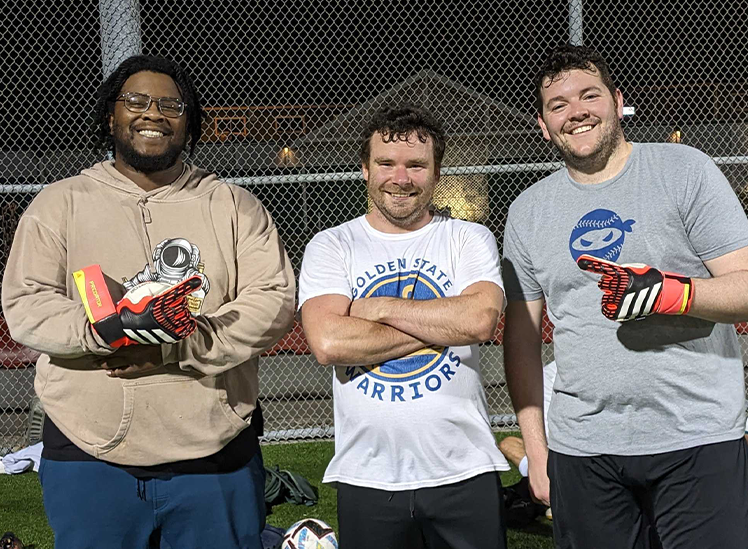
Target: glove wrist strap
column 110, row 330
column 677, row 295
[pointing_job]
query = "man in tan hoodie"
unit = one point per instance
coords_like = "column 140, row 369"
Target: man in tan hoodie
column 150, row 441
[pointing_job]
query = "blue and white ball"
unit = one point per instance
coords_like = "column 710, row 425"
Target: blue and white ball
column 310, row 534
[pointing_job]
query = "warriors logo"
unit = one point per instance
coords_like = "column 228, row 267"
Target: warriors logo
column 413, row 285
column 425, row 371
column 600, row 233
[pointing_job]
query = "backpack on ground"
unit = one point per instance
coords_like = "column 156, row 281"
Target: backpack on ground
column 283, row 486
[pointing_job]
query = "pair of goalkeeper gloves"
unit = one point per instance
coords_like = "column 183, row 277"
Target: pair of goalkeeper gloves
column 635, row 291
column 138, row 318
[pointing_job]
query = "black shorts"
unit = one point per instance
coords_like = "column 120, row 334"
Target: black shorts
column 694, row 499
column 463, row 515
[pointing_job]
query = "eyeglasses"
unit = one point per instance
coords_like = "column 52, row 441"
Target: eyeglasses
column 141, row 102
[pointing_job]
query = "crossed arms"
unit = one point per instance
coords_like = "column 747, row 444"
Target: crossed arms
column 43, row 313
column 372, row 330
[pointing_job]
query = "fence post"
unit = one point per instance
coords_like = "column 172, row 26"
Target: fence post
column 576, row 23
column 120, row 32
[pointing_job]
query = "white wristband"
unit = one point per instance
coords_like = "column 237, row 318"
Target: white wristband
column 523, row 467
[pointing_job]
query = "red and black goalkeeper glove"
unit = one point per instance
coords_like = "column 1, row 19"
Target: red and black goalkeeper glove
column 151, row 320
column 634, row 291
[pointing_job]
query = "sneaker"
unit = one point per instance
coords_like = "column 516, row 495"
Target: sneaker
column 10, row 541
column 520, row 509
column 548, row 514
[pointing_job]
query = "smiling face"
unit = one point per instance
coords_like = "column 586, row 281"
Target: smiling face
column 400, row 178
column 582, row 118
column 148, row 142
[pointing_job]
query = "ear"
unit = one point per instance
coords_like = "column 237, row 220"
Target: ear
column 619, row 104
column 365, row 170
column 543, row 127
column 111, row 123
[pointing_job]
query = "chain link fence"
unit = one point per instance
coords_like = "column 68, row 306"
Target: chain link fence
column 287, row 88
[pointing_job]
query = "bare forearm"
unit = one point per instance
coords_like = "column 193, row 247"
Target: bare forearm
column 721, row 299
column 461, row 320
column 525, row 383
column 349, row 341
column 524, row 375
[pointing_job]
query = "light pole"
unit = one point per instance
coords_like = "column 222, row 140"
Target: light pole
column 120, row 32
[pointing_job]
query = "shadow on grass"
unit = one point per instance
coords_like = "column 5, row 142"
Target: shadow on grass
column 540, row 527
column 536, row 535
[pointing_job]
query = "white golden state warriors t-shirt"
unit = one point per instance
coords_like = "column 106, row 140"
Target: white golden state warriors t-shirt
column 420, row 420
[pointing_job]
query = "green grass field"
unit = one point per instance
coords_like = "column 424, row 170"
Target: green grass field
column 22, row 512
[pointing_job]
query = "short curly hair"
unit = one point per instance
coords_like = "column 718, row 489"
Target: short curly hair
column 398, row 123
column 110, row 90
column 566, row 58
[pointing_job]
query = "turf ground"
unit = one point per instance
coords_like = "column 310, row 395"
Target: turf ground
column 22, row 512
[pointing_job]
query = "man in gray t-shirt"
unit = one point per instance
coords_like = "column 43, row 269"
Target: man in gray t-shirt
column 647, row 416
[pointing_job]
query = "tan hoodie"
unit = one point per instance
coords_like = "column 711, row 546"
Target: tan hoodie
column 206, row 393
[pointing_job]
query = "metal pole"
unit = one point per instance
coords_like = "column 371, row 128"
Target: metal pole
column 120, row 32
column 576, row 23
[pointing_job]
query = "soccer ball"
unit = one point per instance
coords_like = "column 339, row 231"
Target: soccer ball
column 310, row 534
column 145, row 289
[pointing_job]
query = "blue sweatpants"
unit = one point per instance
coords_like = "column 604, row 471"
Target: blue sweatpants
column 94, row 505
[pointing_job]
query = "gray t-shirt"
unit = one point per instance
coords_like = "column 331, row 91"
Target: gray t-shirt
column 655, row 385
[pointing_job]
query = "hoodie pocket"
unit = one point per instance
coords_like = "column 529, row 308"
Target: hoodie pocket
column 171, row 418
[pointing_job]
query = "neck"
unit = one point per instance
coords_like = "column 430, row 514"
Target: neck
column 383, row 225
column 597, row 171
column 150, row 181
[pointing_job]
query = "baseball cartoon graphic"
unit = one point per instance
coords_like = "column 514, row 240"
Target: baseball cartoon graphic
column 600, row 233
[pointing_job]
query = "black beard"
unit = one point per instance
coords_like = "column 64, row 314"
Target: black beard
column 142, row 163
column 597, row 161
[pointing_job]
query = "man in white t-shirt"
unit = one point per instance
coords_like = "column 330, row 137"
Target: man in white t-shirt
column 398, row 301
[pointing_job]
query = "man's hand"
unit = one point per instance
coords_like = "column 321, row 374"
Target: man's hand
column 367, row 308
column 635, row 291
column 540, row 484
column 133, row 361
column 152, row 320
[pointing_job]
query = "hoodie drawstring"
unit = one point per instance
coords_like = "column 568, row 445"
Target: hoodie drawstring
column 145, row 210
